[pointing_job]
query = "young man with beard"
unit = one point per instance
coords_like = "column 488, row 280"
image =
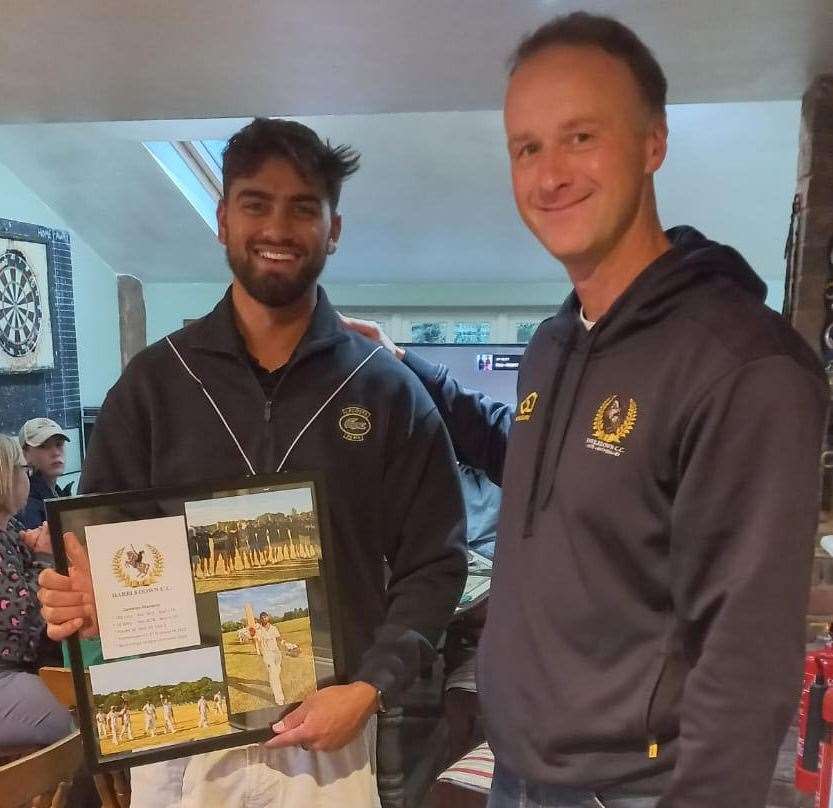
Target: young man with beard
column 262, row 384
column 646, row 623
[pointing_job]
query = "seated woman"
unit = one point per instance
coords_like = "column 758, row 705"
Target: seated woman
column 29, row 714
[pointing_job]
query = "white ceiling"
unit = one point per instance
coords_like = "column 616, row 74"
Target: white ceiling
column 104, row 60
column 432, row 202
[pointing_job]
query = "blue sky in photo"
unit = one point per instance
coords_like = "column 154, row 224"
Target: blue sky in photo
column 273, row 598
column 163, row 669
column 248, row 506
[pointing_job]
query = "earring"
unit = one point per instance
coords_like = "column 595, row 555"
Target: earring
column 331, row 247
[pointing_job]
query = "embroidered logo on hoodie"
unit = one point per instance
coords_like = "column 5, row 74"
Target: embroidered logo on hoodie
column 613, row 422
column 354, row 423
column 527, row 407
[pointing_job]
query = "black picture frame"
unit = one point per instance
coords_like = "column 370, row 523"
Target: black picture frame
column 325, row 630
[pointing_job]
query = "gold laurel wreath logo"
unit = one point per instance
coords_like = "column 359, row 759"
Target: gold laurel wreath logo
column 623, row 430
column 154, row 573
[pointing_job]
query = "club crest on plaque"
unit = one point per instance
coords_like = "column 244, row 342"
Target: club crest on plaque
column 138, row 566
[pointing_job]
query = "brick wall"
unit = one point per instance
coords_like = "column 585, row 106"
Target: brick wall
column 54, row 393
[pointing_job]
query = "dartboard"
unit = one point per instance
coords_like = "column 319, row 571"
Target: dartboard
column 20, row 305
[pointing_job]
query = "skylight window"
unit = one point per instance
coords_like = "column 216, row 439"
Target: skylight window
column 195, row 168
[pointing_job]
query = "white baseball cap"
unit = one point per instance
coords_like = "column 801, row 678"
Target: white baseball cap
column 36, row 431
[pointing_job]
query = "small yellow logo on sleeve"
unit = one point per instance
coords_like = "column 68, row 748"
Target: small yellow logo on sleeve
column 527, row 407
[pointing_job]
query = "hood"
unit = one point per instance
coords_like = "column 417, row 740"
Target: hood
column 694, row 263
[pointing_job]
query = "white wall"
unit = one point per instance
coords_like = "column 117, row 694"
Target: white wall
column 168, row 304
column 94, row 289
column 730, row 172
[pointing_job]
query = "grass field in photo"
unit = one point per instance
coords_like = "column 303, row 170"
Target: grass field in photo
column 186, row 717
column 246, row 677
column 278, row 572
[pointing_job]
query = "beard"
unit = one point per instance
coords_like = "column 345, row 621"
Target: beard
column 275, row 289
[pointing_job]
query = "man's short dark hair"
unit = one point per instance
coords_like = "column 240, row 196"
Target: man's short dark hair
column 314, row 159
column 593, row 30
column 263, row 614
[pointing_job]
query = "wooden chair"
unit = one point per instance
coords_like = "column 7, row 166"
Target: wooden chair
column 43, row 778
column 114, row 786
column 59, row 682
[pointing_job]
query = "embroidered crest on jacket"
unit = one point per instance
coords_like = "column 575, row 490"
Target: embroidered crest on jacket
column 354, row 423
column 614, row 421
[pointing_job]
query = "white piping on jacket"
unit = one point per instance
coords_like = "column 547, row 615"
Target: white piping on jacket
column 303, row 429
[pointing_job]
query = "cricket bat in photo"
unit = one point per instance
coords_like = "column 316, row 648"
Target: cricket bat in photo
column 250, row 624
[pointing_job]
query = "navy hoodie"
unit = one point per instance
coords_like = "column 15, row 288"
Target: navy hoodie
column 393, row 491
column 660, row 497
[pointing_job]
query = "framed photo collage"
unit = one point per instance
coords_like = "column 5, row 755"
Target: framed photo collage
column 213, row 613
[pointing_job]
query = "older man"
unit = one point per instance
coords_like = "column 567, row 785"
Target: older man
column 661, row 476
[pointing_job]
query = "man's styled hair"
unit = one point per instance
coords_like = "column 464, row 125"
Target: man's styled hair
column 11, row 456
column 314, row 160
column 593, row 30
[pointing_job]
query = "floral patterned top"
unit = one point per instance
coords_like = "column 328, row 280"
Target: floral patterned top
column 21, row 624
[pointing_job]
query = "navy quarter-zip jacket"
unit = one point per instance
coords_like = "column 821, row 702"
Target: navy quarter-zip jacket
column 660, row 498
column 393, row 494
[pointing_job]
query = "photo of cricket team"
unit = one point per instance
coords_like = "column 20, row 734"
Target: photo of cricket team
column 160, row 700
column 267, row 646
column 252, row 539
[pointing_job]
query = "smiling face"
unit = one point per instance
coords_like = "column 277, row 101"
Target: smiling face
column 276, row 227
column 583, row 148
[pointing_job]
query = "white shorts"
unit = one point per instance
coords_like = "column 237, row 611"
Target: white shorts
column 264, row 778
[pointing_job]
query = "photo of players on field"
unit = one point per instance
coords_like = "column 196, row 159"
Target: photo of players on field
column 148, row 702
column 252, row 539
column 267, row 646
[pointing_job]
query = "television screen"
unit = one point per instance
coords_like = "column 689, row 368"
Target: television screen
column 489, row 368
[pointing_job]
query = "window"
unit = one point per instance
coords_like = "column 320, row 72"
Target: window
column 429, row 333
column 471, row 333
column 525, row 330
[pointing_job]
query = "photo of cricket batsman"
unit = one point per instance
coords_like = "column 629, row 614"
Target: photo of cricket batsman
column 267, row 646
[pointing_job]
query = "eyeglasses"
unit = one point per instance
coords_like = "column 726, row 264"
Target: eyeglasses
column 30, row 470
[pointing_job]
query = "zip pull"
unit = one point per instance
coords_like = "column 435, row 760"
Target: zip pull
column 653, row 749
column 267, row 413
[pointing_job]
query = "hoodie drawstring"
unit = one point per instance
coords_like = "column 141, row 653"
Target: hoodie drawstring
column 552, row 392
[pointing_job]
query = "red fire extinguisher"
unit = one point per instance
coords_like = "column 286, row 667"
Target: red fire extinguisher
column 826, row 754
column 812, row 730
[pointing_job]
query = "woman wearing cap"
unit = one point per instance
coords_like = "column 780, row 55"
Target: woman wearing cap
column 43, row 442
column 29, row 714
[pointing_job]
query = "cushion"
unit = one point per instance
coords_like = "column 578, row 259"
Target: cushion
column 473, row 771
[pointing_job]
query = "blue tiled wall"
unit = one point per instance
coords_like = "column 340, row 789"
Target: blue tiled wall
column 54, row 393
